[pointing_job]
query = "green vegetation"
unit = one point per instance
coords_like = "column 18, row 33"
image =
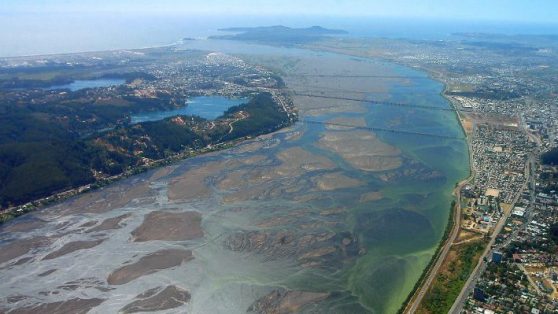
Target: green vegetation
column 263, row 117
column 434, row 258
column 459, row 264
column 40, row 155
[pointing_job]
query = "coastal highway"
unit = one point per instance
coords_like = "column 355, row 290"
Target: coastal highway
column 433, row 271
column 419, row 294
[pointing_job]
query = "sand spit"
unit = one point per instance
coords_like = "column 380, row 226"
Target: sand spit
column 149, row 264
column 158, row 300
column 282, row 301
column 168, row 226
column 336, row 180
column 72, row 247
column 73, row 306
column 109, row 224
column 362, row 149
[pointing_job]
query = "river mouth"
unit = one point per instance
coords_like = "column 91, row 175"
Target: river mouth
column 207, row 107
column 337, row 219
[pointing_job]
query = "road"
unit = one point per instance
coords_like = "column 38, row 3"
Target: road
column 433, row 271
column 481, row 266
column 419, row 294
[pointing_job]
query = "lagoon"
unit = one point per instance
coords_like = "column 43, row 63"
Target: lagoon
column 83, row 84
column 348, row 217
column 207, row 107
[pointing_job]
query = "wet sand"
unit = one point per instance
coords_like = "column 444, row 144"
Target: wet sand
column 283, row 302
column 149, row 264
column 105, row 200
column 371, row 196
column 362, row 149
column 109, row 224
column 72, row 247
column 72, row 306
column 169, row 226
column 158, row 300
column 336, row 180
column 22, row 225
column 191, row 184
column 299, row 213
column 20, row 248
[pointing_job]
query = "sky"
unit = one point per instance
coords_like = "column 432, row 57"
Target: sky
column 32, row 27
column 539, row 11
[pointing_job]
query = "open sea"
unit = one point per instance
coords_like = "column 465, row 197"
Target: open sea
column 36, row 34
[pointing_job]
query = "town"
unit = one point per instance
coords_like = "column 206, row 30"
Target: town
column 501, row 257
column 101, row 118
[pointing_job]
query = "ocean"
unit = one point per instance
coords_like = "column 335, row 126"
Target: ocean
column 37, row 34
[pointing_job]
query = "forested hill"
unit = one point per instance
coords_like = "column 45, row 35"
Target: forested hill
column 39, row 158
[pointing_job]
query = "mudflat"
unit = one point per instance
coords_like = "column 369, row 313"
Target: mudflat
column 362, row 149
column 169, row 226
column 149, row 264
column 158, row 300
column 72, row 247
column 73, row 306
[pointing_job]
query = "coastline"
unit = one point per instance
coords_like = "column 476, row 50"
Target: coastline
column 422, row 286
column 449, row 226
column 8, row 214
column 454, row 219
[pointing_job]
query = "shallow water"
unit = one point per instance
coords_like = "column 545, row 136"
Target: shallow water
column 83, row 84
column 207, row 107
column 311, row 208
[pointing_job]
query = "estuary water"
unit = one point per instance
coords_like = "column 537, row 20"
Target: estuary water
column 207, row 107
column 83, row 84
column 316, row 218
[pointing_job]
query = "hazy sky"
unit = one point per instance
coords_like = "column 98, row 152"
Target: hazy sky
column 542, row 11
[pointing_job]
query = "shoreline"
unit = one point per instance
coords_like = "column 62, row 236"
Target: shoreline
column 454, row 221
column 59, row 197
column 452, row 226
column 11, row 213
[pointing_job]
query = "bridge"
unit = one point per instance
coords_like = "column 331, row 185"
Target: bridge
column 376, row 102
column 376, row 129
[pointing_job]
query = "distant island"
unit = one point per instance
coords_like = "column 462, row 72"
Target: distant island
column 278, row 34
